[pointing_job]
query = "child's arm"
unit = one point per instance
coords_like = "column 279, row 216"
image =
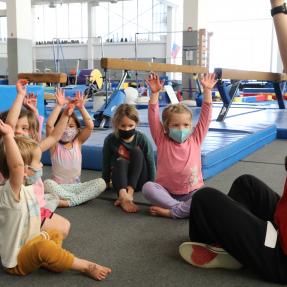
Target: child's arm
column 149, row 156
column 208, row 81
column 14, row 111
column 14, row 159
column 30, row 103
column 60, row 102
column 155, row 125
column 280, row 23
column 57, row 132
column 155, row 86
column 106, row 162
column 89, row 124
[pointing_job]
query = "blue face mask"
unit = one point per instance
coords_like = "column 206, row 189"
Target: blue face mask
column 31, row 179
column 179, row 136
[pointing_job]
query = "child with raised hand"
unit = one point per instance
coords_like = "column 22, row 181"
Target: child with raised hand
column 127, row 157
column 66, row 156
column 178, row 151
column 23, row 247
column 25, row 123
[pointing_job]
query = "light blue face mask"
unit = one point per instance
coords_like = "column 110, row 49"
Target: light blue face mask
column 179, row 136
column 31, row 179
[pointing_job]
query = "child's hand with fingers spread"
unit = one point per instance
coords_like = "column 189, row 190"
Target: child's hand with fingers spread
column 60, row 97
column 80, row 100
column 21, row 87
column 154, row 83
column 5, row 129
column 30, row 103
column 208, row 81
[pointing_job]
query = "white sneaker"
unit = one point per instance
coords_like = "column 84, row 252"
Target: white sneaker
column 206, row 256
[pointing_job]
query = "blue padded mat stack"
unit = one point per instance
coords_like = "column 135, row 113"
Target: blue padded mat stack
column 246, row 128
column 221, row 147
column 8, row 92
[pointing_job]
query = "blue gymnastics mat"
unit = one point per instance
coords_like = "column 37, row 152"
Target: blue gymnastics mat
column 8, row 94
column 222, row 147
column 277, row 117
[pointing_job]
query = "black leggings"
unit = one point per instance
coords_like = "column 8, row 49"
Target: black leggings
column 131, row 172
column 238, row 223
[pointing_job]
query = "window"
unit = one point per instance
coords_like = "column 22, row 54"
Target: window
column 242, row 38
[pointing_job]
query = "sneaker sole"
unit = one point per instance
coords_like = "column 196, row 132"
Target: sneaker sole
column 222, row 260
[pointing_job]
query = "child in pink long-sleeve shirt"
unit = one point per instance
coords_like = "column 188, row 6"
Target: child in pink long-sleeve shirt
column 178, row 151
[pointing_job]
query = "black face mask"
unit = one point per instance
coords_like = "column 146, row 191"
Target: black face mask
column 126, row 134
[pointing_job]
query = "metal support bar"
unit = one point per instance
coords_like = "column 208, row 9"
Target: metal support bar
column 227, row 94
column 279, row 94
column 124, row 76
column 106, row 118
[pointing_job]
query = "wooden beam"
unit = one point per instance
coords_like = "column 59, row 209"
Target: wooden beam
column 249, row 75
column 44, row 77
column 49, row 97
column 130, row 65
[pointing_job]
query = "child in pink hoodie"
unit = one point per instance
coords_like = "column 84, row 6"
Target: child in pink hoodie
column 178, row 151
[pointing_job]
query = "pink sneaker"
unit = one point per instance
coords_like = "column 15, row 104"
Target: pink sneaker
column 207, row 256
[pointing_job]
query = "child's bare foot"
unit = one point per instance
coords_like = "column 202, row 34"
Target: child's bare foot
column 117, row 202
column 129, row 206
column 159, row 211
column 97, row 271
column 63, row 203
column 125, row 201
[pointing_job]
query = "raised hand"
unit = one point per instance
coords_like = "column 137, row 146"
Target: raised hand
column 70, row 107
column 60, row 97
column 5, row 129
column 208, row 81
column 154, row 83
column 21, row 87
column 79, row 100
column 30, row 103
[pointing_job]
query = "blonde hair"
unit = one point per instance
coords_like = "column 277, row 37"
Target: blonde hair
column 26, row 147
column 125, row 110
column 174, row 109
column 32, row 121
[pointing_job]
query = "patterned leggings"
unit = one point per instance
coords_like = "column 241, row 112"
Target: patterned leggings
column 76, row 193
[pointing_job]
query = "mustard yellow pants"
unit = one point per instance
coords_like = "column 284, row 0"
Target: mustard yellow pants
column 45, row 251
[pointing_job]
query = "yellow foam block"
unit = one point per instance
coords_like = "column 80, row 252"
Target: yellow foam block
column 237, row 99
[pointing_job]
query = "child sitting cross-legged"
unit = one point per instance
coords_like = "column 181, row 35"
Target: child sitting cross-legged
column 23, row 247
column 66, row 155
column 178, row 151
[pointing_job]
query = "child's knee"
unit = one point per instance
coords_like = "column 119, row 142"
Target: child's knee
column 147, row 188
column 205, row 194
column 136, row 153
column 66, row 228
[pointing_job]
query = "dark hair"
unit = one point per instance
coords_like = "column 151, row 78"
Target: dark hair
column 73, row 115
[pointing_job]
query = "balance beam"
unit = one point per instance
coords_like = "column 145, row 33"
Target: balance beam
column 249, row 75
column 49, row 97
column 60, row 78
column 130, row 65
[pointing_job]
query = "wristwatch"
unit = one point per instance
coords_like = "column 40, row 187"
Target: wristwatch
column 279, row 9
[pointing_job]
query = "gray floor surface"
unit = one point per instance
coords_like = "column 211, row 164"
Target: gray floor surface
column 142, row 250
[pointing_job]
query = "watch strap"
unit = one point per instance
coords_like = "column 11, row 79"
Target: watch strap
column 279, row 9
